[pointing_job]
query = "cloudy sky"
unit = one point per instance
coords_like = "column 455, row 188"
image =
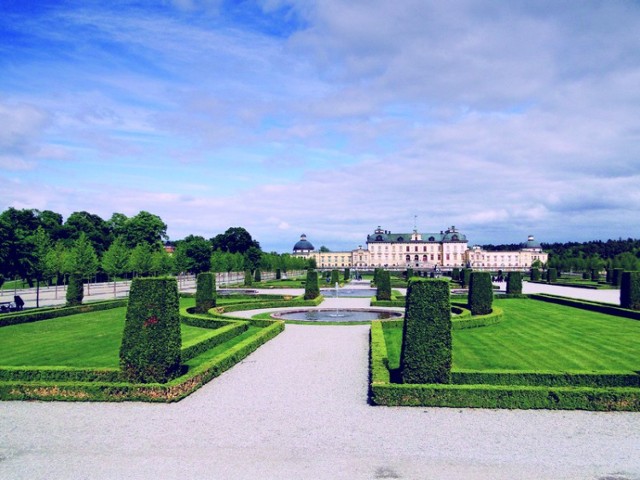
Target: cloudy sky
column 328, row 117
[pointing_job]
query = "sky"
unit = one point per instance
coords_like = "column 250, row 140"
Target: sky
column 327, row 117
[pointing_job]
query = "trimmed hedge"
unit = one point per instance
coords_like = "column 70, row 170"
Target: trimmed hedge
column 383, row 286
column 465, row 277
column 248, row 278
column 278, row 274
column 616, row 277
column 257, row 276
column 630, row 290
column 522, row 390
column 223, row 334
column 607, row 308
column 347, row 274
column 36, row 315
column 455, row 274
column 205, row 292
column 480, row 293
column 426, row 335
column 311, row 286
column 552, row 275
column 535, row 275
column 514, row 283
column 335, row 277
column 151, row 342
column 75, row 290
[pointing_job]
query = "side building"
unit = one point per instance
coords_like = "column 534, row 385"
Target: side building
column 444, row 250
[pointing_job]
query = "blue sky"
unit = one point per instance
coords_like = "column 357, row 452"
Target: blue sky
column 327, row 117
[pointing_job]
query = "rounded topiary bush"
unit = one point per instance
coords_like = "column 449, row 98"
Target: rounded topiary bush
column 383, row 286
column 426, row 335
column 75, row 290
column 151, row 342
column 311, row 286
column 514, row 283
column 630, row 290
column 205, row 292
column 480, row 293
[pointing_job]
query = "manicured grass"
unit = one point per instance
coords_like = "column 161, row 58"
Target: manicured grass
column 88, row 340
column 538, row 336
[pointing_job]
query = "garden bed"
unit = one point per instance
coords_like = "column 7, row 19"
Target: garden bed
column 542, row 355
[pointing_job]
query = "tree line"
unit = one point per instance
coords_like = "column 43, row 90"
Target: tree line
column 39, row 246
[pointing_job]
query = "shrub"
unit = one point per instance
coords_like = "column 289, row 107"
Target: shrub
column 535, row 275
column 552, row 275
column 480, row 293
column 616, row 278
column 248, row 278
column 75, row 290
column 514, row 283
column 257, row 276
column 465, row 277
column 455, row 274
column 586, row 275
column 595, row 275
column 311, row 287
column 278, row 274
column 630, row 290
column 151, row 342
column 426, row 334
column 384, row 286
column 335, row 277
column 347, row 274
column 409, row 273
column 205, row 292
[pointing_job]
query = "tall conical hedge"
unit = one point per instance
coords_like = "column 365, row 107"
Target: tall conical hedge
column 426, row 335
column 514, row 282
column 151, row 342
column 335, row 277
column 311, row 286
column 630, row 290
column 383, row 287
column 480, row 293
column 205, row 292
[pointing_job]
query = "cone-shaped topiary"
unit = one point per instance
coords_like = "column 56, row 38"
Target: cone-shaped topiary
column 480, row 293
column 465, row 277
column 616, row 277
column 535, row 275
column 514, row 283
column 257, row 276
column 205, row 292
column 426, row 335
column 75, row 290
column 455, row 274
column 311, row 286
column 347, row 274
column 151, row 342
column 409, row 273
column 383, row 286
column 630, row 290
column 278, row 274
column 552, row 275
column 248, row 278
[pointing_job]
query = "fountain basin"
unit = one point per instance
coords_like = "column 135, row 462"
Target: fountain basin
column 348, row 292
column 337, row 315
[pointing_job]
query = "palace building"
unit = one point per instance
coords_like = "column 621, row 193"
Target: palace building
column 444, row 250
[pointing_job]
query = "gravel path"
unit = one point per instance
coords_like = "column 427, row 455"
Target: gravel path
column 297, row 409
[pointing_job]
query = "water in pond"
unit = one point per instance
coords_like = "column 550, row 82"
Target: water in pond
column 348, row 292
column 338, row 315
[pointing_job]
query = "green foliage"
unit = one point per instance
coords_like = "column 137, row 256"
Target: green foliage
column 28, row 316
column 248, row 278
column 465, row 277
column 83, row 259
column 75, row 290
column 311, row 287
column 616, row 278
column 193, row 254
column 335, row 277
column 141, row 259
column 151, row 342
column 535, row 275
column 455, row 274
column 480, row 293
column 514, row 283
column 205, row 292
column 143, row 228
column 115, row 260
column 426, row 336
column 278, row 274
column 347, row 274
column 552, row 275
column 630, row 290
column 257, row 276
column 409, row 273
column 383, row 286
column 234, row 240
column 595, row 275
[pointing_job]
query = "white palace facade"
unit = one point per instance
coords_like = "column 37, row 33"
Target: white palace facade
column 444, row 250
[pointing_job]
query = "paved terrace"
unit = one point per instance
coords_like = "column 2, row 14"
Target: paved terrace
column 297, row 409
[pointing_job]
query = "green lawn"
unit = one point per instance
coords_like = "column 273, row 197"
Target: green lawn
column 539, row 336
column 88, row 340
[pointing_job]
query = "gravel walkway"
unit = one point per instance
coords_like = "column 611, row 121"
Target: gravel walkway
column 297, row 409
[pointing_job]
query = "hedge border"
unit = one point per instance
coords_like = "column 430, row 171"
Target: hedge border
column 600, row 307
column 508, row 390
column 73, row 384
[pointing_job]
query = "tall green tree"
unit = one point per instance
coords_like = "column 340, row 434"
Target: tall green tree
column 115, row 260
column 234, row 239
column 39, row 268
column 141, row 260
column 145, row 227
column 57, row 259
column 83, row 259
column 193, row 254
column 94, row 228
